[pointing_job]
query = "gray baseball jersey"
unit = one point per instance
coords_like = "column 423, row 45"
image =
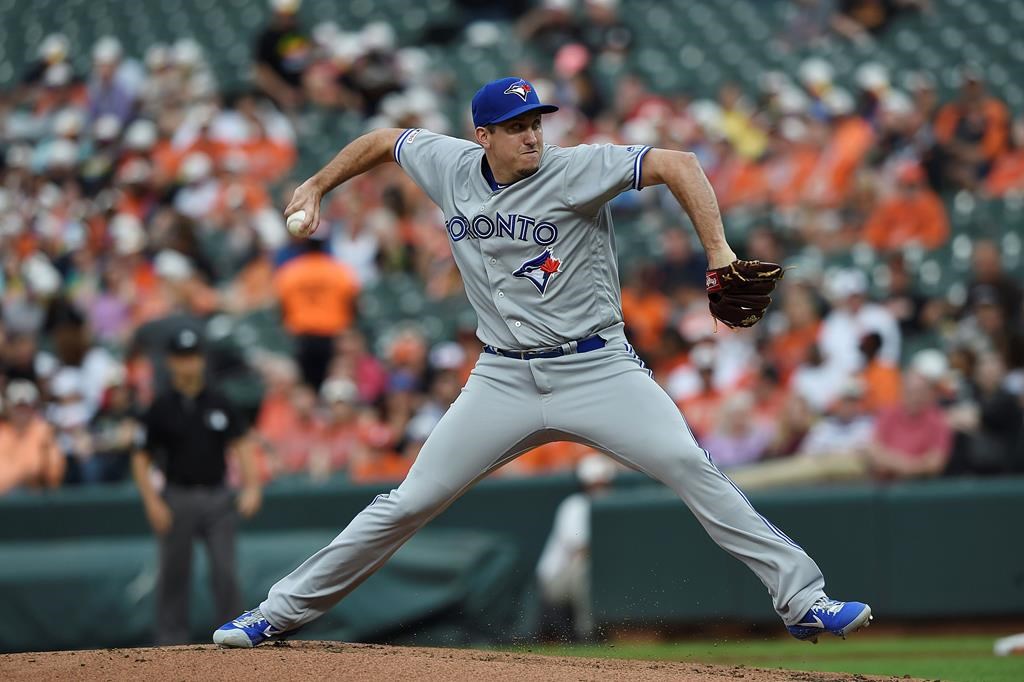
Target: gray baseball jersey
column 538, row 260
column 537, row 257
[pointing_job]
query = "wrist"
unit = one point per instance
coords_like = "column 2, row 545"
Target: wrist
column 719, row 258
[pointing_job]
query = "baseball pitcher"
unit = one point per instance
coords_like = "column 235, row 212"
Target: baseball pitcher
column 532, row 235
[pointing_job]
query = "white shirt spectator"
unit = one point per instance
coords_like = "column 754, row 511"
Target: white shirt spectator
column 831, row 435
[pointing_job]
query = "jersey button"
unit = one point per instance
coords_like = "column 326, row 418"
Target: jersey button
column 493, row 261
column 519, row 324
column 501, row 294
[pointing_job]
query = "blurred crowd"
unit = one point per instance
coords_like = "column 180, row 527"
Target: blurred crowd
column 141, row 196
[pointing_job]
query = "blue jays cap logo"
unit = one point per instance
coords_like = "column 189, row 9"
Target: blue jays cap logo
column 492, row 103
column 520, row 88
column 539, row 270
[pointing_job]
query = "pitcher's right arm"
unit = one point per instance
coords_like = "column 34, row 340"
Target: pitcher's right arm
column 362, row 154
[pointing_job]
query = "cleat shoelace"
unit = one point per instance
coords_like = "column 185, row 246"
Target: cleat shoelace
column 827, row 606
column 250, row 618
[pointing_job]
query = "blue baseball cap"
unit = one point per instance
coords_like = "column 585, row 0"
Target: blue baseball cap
column 506, row 98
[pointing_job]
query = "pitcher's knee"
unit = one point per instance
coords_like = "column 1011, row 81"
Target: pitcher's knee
column 403, row 508
column 686, row 461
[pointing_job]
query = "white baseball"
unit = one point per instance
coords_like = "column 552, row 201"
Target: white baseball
column 296, row 223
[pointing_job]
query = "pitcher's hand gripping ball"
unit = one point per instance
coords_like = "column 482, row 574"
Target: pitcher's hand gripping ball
column 739, row 293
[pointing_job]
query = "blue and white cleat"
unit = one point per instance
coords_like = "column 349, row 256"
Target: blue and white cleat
column 246, row 631
column 827, row 615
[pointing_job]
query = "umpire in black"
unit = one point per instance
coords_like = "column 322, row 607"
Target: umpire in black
column 191, row 428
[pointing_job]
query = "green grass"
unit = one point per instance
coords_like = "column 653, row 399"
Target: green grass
column 948, row 658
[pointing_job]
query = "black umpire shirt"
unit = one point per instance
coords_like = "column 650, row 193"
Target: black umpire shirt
column 189, row 438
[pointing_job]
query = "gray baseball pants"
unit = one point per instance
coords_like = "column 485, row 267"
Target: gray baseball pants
column 604, row 398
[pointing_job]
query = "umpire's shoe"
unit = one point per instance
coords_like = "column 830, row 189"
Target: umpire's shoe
column 246, row 631
column 827, row 615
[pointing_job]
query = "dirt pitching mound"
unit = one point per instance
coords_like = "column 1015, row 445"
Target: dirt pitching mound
column 364, row 662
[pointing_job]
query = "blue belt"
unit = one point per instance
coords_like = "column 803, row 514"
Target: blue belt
column 582, row 346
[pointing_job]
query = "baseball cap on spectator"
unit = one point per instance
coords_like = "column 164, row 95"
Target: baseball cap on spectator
column 347, row 47
column 325, row 33
column 57, row 75
column 185, row 342
column 134, row 172
column 68, row 123
column 285, row 6
column 141, row 135
column 504, row 99
column 930, row 364
column 127, row 234
column 61, row 154
column 107, row 50
column 792, row 100
column 872, row 76
column 815, row 72
column 378, row 36
column 21, row 392
column 41, row 278
column 838, row 102
column 186, row 52
column 196, row 167
column 595, row 469
column 158, row 56
column 703, row 356
column 447, row 355
column 846, row 283
column 338, row 390
column 897, row 102
column 173, row 266
column 106, row 128
column 54, row 48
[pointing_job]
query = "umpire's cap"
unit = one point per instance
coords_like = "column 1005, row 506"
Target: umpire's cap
column 506, row 98
column 185, row 342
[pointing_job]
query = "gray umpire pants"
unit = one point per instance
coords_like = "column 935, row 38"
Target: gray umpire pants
column 206, row 513
column 606, row 399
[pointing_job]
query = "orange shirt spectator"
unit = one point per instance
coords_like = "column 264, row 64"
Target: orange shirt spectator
column 317, row 293
column 787, row 175
column 379, row 466
column 29, row 457
column 547, row 458
column 914, row 214
column 993, row 120
column 832, row 179
column 701, row 411
column 1008, row 172
column 268, row 159
column 646, row 312
column 788, row 349
column 882, row 385
column 740, row 183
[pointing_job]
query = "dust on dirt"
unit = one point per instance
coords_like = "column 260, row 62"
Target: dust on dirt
column 365, row 662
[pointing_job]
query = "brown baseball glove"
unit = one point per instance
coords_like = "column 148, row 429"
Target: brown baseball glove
column 739, row 293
